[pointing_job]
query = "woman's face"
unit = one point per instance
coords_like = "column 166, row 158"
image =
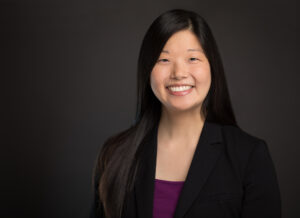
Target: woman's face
column 181, row 77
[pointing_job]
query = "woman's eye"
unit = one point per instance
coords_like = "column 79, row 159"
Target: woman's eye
column 163, row 60
column 194, row 59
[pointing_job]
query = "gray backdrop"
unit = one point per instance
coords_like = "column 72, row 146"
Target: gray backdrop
column 68, row 82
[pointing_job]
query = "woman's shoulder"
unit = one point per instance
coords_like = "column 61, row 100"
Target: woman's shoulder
column 241, row 140
column 238, row 133
column 246, row 150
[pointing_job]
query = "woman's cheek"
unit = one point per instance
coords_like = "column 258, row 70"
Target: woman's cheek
column 155, row 81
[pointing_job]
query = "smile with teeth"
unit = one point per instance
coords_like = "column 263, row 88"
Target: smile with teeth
column 179, row 88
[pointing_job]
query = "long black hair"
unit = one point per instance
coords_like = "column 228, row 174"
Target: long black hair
column 118, row 159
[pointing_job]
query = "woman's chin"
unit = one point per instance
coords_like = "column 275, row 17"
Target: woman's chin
column 183, row 108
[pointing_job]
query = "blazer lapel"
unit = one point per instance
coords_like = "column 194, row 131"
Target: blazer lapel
column 204, row 159
column 144, row 186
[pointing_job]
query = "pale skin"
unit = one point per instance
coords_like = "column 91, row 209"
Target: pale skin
column 182, row 61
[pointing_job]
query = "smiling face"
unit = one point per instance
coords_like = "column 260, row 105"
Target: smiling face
column 181, row 77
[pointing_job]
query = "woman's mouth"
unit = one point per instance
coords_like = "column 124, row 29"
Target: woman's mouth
column 179, row 90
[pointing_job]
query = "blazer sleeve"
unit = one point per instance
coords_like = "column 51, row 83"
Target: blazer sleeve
column 262, row 195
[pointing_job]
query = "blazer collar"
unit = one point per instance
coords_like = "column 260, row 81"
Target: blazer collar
column 204, row 159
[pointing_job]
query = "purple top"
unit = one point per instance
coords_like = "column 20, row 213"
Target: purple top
column 166, row 194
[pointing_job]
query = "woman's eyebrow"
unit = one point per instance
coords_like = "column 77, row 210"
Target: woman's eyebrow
column 195, row 49
column 190, row 49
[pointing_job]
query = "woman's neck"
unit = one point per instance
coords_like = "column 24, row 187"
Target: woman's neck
column 179, row 127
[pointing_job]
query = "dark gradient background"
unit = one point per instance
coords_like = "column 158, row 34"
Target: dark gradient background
column 68, row 81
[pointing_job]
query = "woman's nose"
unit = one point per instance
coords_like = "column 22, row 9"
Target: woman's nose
column 179, row 71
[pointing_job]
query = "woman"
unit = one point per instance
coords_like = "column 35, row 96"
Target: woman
column 184, row 156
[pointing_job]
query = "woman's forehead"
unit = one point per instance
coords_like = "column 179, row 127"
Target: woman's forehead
column 183, row 41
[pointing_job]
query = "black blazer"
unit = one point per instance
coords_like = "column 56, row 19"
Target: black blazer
column 231, row 175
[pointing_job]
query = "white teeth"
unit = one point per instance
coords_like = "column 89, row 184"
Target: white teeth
column 179, row 88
